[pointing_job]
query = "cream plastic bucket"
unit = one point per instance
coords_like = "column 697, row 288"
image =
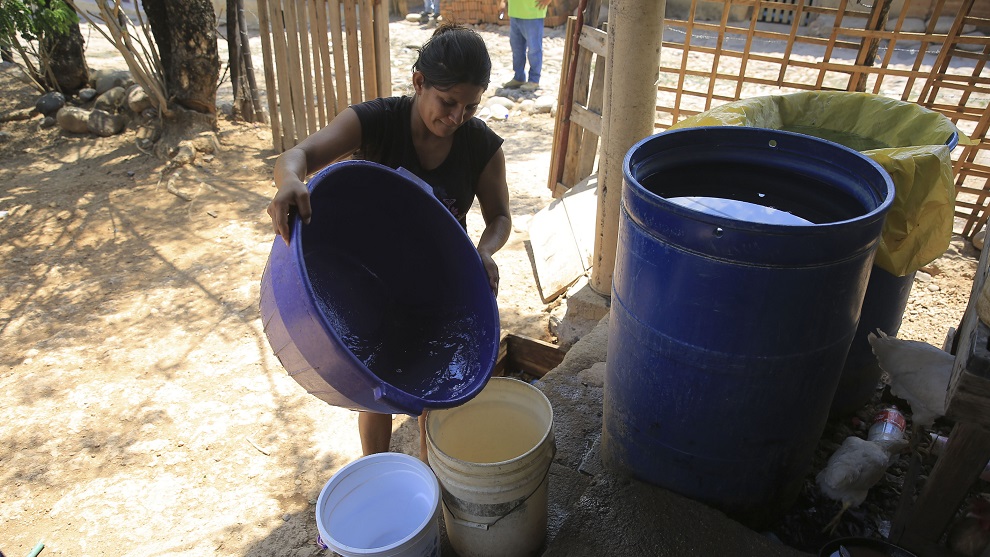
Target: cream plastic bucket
column 492, row 456
column 381, row 505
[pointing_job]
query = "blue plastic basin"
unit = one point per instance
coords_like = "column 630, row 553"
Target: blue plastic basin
column 381, row 303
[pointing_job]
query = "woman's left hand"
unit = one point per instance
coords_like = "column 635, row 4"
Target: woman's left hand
column 492, row 269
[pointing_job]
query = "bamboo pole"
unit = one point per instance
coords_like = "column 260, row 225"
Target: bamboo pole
column 270, row 84
column 632, row 68
column 339, row 67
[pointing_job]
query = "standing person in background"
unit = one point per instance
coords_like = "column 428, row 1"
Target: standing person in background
column 432, row 134
column 526, row 39
column 431, row 8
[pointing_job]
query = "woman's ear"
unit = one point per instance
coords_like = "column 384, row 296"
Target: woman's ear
column 419, row 81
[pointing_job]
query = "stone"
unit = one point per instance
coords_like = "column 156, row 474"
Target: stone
column 104, row 80
column 502, row 101
column 138, row 100
column 73, row 119
column 545, row 104
column 112, row 100
column 910, row 25
column 972, row 47
column 5, row 137
column 978, row 240
column 499, row 112
column 87, row 94
column 48, row 122
column 50, row 103
column 104, row 124
column 226, row 108
column 148, row 133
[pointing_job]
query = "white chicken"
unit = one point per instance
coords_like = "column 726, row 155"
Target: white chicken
column 918, row 373
column 855, row 467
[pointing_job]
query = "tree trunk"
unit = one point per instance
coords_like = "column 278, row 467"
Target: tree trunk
column 186, row 36
column 66, row 60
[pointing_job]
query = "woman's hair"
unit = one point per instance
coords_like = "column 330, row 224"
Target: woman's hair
column 454, row 54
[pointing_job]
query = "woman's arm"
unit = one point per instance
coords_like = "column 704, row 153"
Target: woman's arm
column 493, row 196
column 340, row 138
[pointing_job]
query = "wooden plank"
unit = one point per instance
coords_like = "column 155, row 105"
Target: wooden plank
column 589, row 147
column 966, row 454
column 587, row 120
column 562, row 239
column 330, row 95
column 968, row 395
column 593, row 40
column 368, row 57
column 270, row 86
column 383, row 60
column 339, row 66
column 282, row 74
column 294, row 66
column 313, row 7
column 353, row 49
column 306, row 71
column 556, row 152
column 533, row 356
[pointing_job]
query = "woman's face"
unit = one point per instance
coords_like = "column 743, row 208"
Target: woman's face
column 445, row 111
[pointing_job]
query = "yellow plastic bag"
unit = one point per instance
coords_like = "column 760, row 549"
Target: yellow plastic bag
column 910, row 142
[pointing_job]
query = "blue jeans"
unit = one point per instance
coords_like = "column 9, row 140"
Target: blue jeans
column 431, row 6
column 526, row 40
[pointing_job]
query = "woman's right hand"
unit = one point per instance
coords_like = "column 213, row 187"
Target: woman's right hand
column 292, row 199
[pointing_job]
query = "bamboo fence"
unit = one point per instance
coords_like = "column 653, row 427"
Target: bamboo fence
column 780, row 47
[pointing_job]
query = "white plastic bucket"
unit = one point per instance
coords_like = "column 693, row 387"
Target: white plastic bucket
column 492, row 456
column 382, row 505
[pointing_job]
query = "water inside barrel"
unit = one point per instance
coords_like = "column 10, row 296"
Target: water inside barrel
column 753, row 192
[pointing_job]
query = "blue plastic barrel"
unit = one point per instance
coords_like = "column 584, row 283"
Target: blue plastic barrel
column 381, row 303
column 743, row 257
column 883, row 308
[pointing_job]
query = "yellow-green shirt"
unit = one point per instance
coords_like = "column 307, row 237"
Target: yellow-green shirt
column 526, row 9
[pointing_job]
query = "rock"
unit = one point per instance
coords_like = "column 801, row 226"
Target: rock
column 48, row 122
column 148, row 134
column 73, row 119
column 87, row 94
column 138, row 100
column 111, row 101
column 499, row 112
column 227, row 108
column 528, row 105
column 911, row 25
column 545, row 104
column 922, row 277
column 502, row 101
column 944, row 24
column 979, row 238
column 972, row 47
column 5, row 137
column 104, row 124
column 50, row 103
column 104, row 80
column 185, row 154
column 414, row 18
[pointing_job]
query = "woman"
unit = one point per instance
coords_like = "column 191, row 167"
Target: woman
column 434, row 135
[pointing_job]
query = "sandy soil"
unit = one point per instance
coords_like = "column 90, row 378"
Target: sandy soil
column 143, row 412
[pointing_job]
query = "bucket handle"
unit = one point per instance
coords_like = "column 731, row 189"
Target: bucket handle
column 481, row 526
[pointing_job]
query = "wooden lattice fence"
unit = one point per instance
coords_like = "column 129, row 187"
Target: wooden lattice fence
column 320, row 57
column 939, row 62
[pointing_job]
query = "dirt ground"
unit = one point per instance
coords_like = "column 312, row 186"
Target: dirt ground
column 142, row 411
